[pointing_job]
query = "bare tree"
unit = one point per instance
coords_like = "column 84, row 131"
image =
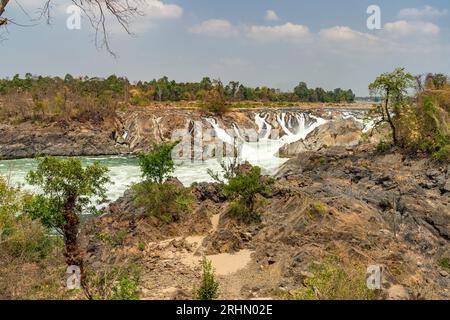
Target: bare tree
column 96, row 11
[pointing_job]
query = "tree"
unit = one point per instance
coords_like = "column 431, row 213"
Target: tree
column 302, row 92
column 157, row 165
column 393, row 89
column 68, row 190
column 244, row 189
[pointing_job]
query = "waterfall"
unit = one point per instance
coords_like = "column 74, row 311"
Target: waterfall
column 262, row 147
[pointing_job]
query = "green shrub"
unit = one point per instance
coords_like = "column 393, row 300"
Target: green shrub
column 244, row 189
column 19, row 235
column 119, row 282
column 126, row 289
column 168, row 202
column 209, row 288
column 215, row 102
column 444, row 263
column 157, row 165
column 141, row 246
column 332, row 280
column 383, row 146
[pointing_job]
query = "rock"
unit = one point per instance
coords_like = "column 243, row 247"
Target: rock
column 208, row 191
column 398, row 292
column 175, row 182
column 344, row 133
column 446, row 186
column 443, row 273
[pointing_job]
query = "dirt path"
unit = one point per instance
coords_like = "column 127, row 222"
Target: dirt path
column 173, row 267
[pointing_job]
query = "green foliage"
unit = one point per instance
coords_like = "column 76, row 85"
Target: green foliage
column 126, row 289
column 19, row 236
column 157, row 165
column 95, row 99
column 61, row 181
column 141, row 246
column 215, row 101
column 316, row 209
column 209, row 288
column 168, row 202
column 433, row 126
column 332, row 281
column 383, row 146
column 444, row 263
column 393, row 89
column 119, row 282
column 244, row 188
column 320, row 95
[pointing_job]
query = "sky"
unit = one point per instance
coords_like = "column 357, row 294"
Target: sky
column 277, row 43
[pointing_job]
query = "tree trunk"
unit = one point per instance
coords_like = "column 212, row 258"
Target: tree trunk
column 389, row 120
column 73, row 253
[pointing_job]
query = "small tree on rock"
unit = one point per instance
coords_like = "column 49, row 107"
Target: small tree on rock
column 393, row 89
column 157, row 165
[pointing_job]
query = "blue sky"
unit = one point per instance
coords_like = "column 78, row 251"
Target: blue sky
column 258, row 42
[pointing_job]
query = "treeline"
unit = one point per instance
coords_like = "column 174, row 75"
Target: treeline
column 80, row 95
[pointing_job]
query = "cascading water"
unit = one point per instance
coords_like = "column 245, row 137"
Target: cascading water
column 263, row 150
column 259, row 147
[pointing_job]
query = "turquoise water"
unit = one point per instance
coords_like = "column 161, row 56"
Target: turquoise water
column 123, row 172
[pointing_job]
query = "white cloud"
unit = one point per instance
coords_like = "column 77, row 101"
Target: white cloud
column 425, row 12
column 340, row 33
column 404, row 28
column 271, row 16
column 156, row 9
column 288, row 32
column 215, row 28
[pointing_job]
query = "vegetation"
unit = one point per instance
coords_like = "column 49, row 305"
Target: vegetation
column 157, row 165
column 39, row 98
column 392, row 87
column 332, row 280
column 419, row 123
column 244, row 189
column 209, row 288
column 444, row 263
column 67, row 191
column 166, row 201
column 29, row 255
column 115, row 283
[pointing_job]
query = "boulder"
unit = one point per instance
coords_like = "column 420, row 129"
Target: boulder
column 344, row 133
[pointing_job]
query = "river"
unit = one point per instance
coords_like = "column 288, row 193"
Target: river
column 124, row 171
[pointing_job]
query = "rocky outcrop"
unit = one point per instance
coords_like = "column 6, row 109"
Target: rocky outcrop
column 361, row 207
column 345, row 133
column 137, row 130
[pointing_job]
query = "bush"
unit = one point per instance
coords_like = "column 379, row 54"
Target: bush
column 115, row 283
column 126, row 289
column 216, row 103
column 245, row 188
column 332, row 281
column 383, row 146
column 444, row 263
column 157, row 165
column 209, row 288
column 168, row 202
column 20, row 237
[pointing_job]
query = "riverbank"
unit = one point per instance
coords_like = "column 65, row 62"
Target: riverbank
column 137, row 129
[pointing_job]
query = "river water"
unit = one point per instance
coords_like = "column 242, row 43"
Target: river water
column 124, row 171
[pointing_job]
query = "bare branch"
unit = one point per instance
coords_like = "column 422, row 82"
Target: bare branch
column 96, row 11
